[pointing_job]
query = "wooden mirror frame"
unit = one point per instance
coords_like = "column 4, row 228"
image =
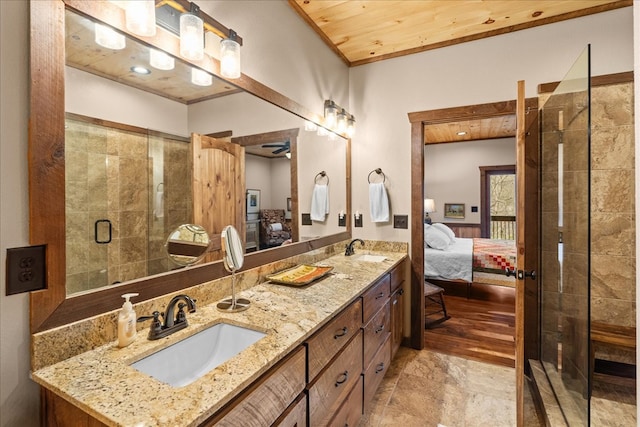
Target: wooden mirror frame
column 50, row 308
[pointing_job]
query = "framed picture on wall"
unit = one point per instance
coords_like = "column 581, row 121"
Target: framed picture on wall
column 454, row 210
column 253, row 203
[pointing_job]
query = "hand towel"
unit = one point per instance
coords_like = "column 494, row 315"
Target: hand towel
column 378, row 202
column 320, row 202
column 158, row 211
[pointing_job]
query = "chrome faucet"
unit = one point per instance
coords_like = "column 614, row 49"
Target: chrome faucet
column 349, row 249
column 171, row 324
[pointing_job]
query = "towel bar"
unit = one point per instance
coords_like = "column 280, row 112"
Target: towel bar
column 379, row 172
column 321, row 174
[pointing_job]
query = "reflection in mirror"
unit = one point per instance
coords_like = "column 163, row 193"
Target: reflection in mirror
column 233, row 258
column 61, row 83
column 187, row 244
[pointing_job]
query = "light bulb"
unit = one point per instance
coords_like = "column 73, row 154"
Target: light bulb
column 230, row 58
column 341, row 121
column 330, row 113
column 140, row 16
column 200, row 78
column 109, row 38
column 191, row 37
column 351, row 126
column 160, row 60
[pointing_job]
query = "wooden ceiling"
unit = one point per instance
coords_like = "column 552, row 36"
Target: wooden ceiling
column 361, row 32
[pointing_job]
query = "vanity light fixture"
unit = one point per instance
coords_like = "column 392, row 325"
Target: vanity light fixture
column 341, row 121
column 160, row 60
column 230, row 56
column 108, row 37
column 140, row 17
column 139, row 69
column 338, row 119
column 200, row 78
column 191, row 35
column 330, row 113
column 351, row 126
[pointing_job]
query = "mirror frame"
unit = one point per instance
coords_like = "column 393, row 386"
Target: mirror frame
column 51, row 307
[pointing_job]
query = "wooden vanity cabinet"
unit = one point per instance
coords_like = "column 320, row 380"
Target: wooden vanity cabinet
column 268, row 398
column 351, row 411
column 296, row 415
column 397, row 307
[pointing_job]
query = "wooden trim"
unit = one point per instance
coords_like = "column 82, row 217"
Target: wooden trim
column 417, row 236
column 125, row 127
column 50, row 307
column 467, row 112
column 604, row 80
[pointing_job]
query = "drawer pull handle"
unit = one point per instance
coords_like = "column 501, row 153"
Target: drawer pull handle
column 380, row 295
column 379, row 329
column 342, row 333
column 380, row 368
column 342, row 378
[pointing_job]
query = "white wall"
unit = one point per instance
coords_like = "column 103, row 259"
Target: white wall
column 482, row 71
column 272, row 177
column 452, row 174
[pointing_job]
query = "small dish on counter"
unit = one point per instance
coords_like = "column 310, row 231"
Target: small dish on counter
column 300, row 275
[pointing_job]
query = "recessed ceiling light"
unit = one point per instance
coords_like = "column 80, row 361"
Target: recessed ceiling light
column 140, row 69
column 461, row 133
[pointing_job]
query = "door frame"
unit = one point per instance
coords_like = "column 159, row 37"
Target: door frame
column 418, row 122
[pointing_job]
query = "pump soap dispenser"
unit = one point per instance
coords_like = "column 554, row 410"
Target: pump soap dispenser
column 126, row 322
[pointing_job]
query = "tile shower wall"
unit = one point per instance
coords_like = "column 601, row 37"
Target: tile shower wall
column 131, row 179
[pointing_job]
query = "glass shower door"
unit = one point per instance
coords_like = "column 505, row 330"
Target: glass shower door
column 565, row 241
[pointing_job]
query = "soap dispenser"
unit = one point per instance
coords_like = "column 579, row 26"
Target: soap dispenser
column 126, row 322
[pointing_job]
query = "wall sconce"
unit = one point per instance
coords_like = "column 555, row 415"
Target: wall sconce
column 429, row 206
column 230, row 56
column 338, row 119
column 108, row 37
column 140, row 17
column 191, row 35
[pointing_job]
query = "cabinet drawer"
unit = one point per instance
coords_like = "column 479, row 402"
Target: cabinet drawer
column 376, row 370
column 375, row 298
column 376, row 332
column 265, row 400
column 296, row 415
column 333, row 385
column 397, row 276
column 351, row 411
column 326, row 343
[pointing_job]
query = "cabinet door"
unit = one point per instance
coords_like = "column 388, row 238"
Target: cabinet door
column 397, row 320
column 377, row 296
column 376, row 332
column 375, row 372
column 351, row 410
column 296, row 415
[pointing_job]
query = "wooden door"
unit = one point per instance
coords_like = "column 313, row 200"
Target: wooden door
column 218, row 187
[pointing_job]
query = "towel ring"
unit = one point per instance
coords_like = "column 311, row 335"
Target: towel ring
column 379, row 172
column 321, row 174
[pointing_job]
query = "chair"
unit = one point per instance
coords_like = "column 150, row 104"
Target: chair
column 434, row 304
column 272, row 234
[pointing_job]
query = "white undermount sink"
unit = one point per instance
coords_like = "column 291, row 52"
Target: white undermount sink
column 370, row 258
column 184, row 362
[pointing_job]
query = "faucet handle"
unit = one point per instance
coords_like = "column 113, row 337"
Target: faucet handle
column 181, row 316
column 156, row 325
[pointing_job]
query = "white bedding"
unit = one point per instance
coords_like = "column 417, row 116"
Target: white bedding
column 456, row 262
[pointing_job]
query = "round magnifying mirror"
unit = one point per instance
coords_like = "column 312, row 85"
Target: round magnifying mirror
column 232, row 252
column 233, row 258
column 187, row 244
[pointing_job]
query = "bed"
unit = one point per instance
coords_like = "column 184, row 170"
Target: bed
column 468, row 260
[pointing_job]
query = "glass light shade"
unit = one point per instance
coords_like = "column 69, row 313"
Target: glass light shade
column 230, row 59
column 109, row 38
column 191, row 37
column 330, row 114
column 140, row 17
column 351, row 126
column 429, row 205
column 200, row 78
column 160, row 60
column 309, row 126
column 341, row 121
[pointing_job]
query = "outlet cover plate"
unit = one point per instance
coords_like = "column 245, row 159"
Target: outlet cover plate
column 26, row 269
column 401, row 221
column 306, row 219
column 357, row 220
column 342, row 220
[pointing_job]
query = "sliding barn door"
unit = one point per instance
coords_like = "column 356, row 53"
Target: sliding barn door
column 218, row 187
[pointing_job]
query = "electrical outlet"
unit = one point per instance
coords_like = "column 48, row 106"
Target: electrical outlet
column 401, row 221
column 26, row 269
column 342, row 220
column 357, row 220
column 306, row 219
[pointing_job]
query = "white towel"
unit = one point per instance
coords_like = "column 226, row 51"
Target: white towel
column 159, row 205
column 320, row 202
column 378, row 202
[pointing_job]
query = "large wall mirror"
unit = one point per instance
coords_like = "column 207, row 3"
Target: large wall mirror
column 95, row 113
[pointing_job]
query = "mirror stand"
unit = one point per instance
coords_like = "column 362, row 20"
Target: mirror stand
column 233, row 304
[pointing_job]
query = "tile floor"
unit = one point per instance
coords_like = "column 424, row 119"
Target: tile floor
column 428, row 389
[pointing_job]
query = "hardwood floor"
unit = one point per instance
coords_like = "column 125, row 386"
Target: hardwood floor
column 481, row 327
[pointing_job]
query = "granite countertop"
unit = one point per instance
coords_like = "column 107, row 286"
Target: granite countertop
column 102, row 383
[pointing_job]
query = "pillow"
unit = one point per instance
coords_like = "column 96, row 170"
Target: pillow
column 446, row 230
column 276, row 226
column 435, row 238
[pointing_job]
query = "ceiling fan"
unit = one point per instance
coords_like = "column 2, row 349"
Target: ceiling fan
column 279, row 147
